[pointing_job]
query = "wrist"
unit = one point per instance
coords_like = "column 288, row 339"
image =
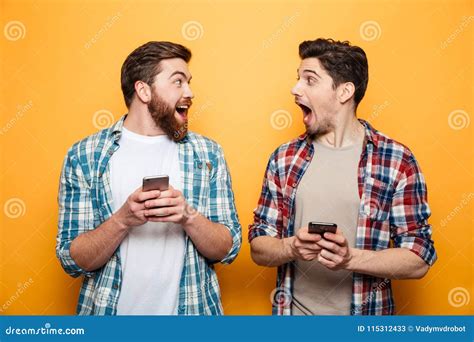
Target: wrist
column 190, row 218
column 354, row 260
column 288, row 247
column 119, row 223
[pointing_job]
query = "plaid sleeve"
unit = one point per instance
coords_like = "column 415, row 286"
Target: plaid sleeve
column 410, row 212
column 75, row 213
column 268, row 220
column 222, row 205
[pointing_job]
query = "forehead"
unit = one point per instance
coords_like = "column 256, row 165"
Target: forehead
column 169, row 66
column 311, row 64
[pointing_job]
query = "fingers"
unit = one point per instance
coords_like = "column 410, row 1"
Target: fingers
column 171, row 218
column 303, row 235
column 136, row 208
column 141, row 196
column 307, row 245
column 322, row 259
column 307, row 254
column 162, row 202
column 163, row 211
column 338, row 238
column 171, row 192
column 329, row 245
column 335, row 253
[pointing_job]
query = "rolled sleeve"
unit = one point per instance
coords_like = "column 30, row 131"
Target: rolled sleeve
column 222, row 205
column 75, row 213
column 409, row 214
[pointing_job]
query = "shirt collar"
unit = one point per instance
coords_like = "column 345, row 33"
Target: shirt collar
column 116, row 129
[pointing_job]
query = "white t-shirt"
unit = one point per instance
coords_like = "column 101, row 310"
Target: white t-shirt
column 152, row 254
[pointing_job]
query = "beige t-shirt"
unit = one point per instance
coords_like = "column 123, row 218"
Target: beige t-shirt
column 328, row 192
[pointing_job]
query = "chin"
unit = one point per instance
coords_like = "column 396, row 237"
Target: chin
column 180, row 119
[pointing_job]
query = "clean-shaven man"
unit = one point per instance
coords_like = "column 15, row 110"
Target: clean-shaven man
column 342, row 171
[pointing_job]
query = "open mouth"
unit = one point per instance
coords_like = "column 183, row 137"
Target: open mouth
column 308, row 116
column 182, row 110
column 306, row 109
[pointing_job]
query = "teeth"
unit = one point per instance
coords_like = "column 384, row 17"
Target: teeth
column 182, row 107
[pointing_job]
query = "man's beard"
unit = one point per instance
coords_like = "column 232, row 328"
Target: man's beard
column 322, row 129
column 163, row 116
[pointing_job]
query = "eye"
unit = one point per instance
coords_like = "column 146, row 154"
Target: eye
column 178, row 82
column 310, row 80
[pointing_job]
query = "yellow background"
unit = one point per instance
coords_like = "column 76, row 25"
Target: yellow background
column 60, row 79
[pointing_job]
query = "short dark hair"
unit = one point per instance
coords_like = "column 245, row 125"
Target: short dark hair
column 342, row 61
column 143, row 64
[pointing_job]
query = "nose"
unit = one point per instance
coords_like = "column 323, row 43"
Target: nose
column 296, row 91
column 188, row 92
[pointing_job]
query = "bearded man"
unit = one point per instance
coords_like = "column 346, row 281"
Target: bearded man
column 148, row 252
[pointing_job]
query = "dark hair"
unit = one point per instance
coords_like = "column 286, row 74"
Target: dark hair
column 342, row 61
column 143, row 64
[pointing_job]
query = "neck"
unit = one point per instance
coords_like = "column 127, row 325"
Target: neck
column 347, row 131
column 139, row 121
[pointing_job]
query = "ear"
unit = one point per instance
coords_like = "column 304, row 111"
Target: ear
column 143, row 91
column 345, row 92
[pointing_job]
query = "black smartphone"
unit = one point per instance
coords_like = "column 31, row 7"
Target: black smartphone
column 321, row 227
column 160, row 182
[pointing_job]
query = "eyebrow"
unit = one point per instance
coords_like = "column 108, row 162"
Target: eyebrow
column 181, row 73
column 310, row 71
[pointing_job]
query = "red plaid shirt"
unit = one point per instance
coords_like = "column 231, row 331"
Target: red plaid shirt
column 393, row 208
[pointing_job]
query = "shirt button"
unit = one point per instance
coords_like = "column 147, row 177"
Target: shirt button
column 293, row 185
column 115, row 286
column 308, row 158
column 200, row 165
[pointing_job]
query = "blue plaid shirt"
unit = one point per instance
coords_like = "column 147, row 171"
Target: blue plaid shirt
column 85, row 200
